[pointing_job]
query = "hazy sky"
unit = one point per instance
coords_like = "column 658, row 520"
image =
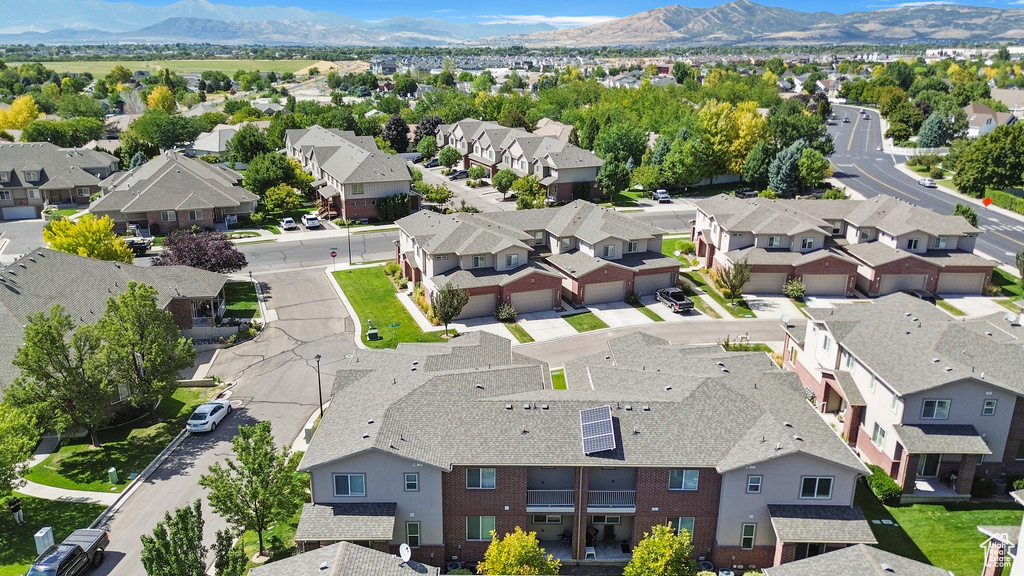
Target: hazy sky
column 557, row 13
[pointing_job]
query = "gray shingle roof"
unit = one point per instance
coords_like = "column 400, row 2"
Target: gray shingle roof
column 781, row 256
column 941, row 439
column 468, row 402
column 348, row 521
column 1008, row 534
column 34, row 284
column 53, row 163
column 926, row 347
column 344, row 559
column 584, row 220
column 857, row 560
column 477, row 277
column 833, row 524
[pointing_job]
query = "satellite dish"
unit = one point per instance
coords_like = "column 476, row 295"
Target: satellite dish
column 676, row 253
column 1010, row 318
column 405, row 552
column 785, row 319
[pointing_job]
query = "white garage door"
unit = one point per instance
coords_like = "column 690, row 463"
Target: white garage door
column 894, row 283
column 482, row 305
column 20, row 213
column 960, row 283
column 533, row 301
column 765, row 283
column 825, row 284
column 644, row 285
column 604, row 292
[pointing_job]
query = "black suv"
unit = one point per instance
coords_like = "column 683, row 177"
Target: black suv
column 746, row 193
column 459, row 175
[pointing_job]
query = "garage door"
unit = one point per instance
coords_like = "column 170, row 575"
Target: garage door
column 892, row 283
column 533, row 301
column 765, row 283
column 478, row 306
column 604, row 292
column 960, row 283
column 20, row 213
column 644, row 285
column 825, row 284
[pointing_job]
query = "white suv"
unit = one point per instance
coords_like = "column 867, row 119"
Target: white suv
column 310, row 220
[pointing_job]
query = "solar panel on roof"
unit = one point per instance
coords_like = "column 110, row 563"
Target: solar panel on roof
column 597, row 429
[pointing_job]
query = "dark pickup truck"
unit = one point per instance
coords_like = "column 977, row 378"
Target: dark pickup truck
column 675, row 299
column 72, row 557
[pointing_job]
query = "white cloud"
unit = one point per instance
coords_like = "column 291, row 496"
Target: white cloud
column 556, row 21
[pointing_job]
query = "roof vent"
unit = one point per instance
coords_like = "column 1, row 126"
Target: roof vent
column 988, row 333
column 545, row 406
column 887, row 568
column 907, row 314
column 787, row 424
column 413, row 369
column 797, row 438
column 667, row 388
column 480, row 386
column 526, row 406
column 948, row 369
column 607, row 357
column 365, row 436
column 508, row 406
column 913, row 319
column 722, row 364
column 936, row 360
column 628, row 407
column 646, row 408
column 726, row 370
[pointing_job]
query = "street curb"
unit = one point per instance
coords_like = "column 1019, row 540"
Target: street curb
column 348, row 306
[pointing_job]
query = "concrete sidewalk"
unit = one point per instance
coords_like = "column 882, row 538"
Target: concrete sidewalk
column 66, row 495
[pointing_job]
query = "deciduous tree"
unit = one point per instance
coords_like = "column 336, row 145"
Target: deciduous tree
column 266, row 171
column 427, row 128
column 662, row 552
column 18, row 437
column 142, row 347
column 176, row 546
column 209, row 250
column 60, row 384
column 612, row 178
column 449, row 303
column 161, row 98
column 88, row 236
column 813, row 167
column 529, row 192
column 248, row 143
column 396, row 133
column 22, row 111
column 967, row 212
column 503, row 181
column 448, row 156
column 734, row 277
column 518, row 553
column 260, row 486
column 427, row 147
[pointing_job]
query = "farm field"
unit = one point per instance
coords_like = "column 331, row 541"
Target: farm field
column 102, row 67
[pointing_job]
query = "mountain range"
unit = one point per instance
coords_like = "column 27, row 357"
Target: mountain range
column 740, row 22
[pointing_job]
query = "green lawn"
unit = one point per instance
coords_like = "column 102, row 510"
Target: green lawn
column 649, row 313
column 64, row 212
column 102, row 68
column 891, row 538
column 242, row 302
column 521, row 335
column 740, row 310
column 128, row 448
column 372, row 295
column 585, row 322
column 558, row 380
column 17, row 548
column 279, row 539
column 270, row 228
column 669, row 247
column 945, row 305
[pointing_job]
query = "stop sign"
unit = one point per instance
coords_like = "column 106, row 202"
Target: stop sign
column 333, row 254
column 986, row 201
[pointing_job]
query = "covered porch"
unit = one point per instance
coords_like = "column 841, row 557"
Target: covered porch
column 361, row 522
column 802, row 531
column 938, row 461
column 842, row 404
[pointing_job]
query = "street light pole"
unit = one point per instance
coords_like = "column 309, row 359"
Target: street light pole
column 319, row 388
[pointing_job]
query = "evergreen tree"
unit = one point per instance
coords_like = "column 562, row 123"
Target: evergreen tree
column 934, row 132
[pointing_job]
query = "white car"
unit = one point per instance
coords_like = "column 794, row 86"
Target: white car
column 926, row 182
column 310, row 220
column 206, row 416
column 288, row 224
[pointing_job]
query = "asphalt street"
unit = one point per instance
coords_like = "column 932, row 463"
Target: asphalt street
column 861, row 166
column 276, row 380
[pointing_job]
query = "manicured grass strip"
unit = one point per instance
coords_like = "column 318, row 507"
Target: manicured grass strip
column 17, row 547
column 669, row 247
column 741, row 310
column 558, row 380
column 649, row 313
column 128, row 448
column 372, row 295
column 947, row 533
column 271, row 228
column 518, row 332
column 1009, row 283
column 585, row 322
column 945, row 305
column 242, row 302
column 279, row 539
column 703, row 308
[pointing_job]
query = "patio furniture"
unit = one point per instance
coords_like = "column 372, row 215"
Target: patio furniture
column 566, row 537
column 591, row 535
column 609, row 535
column 591, row 553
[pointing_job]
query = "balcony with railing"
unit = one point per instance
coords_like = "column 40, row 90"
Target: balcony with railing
column 611, row 501
column 550, row 501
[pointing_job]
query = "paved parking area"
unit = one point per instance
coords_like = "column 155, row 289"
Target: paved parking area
column 545, row 325
column 619, row 314
column 974, row 305
column 664, row 312
column 483, row 324
column 772, row 306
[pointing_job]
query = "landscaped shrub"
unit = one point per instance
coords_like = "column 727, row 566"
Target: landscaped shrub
column 401, row 281
column 633, row 299
column 154, row 229
column 883, row 486
column 257, row 218
column 581, row 190
column 505, row 313
column 834, row 194
column 391, row 268
column 684, row 246
column 794, row 289
column 1005, row 200
column 1016, row 481
column 936, row 172
column 925, row 160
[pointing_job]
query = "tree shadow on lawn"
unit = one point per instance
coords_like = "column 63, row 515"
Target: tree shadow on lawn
column 17, row 546
column 891, row 537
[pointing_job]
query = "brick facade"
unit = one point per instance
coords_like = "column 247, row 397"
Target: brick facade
column 870, row 453
column 182, row 221
column 506, row 502
column 1014, row 437
column 606, row 273
column 562, row 191
column 908, row 266
column 738, row 558
column 533, row 282
column 702, row 504
column 359, row 209
column 181, row 310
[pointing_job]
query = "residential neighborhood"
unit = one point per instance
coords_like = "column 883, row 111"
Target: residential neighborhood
column 390, row 313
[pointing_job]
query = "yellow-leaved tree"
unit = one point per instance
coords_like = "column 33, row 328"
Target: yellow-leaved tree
column 518, row 553
column 21, row 113
column 750, row 129
column 90, row 237
column 161, row 98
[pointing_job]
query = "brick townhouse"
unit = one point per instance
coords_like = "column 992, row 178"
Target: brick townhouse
column 934, row 400
column 835, row 247
column 535, row 259
column 35, row 174
column 435, row 445
column 173, row 191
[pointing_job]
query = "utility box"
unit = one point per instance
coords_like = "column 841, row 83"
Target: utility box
column 112, row 472
column 371, row 332
column 44, row 539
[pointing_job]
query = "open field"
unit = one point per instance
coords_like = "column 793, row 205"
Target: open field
column 102, row 67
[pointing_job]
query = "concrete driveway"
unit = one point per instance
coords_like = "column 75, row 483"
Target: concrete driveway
column 974, row 305
column 546, row 325
column 617, row 314
column 772, row 306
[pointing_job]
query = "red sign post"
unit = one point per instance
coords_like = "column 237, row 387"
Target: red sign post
column 334, row 255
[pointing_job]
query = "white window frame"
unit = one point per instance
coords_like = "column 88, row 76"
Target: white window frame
column 5, row 194
column 754, row 482
column 83, row 193
column 511, row 260
column 683, row 479
column 481, row 523
column 546, row 519
column 937, row 405
column 913, row 243
column 479, row 261
column 5, row 177
column 195, row 215
column 940, row 243
column 357, row 189
column 565, row 243
column 988, row 407
column 878, row 436
column 484, row 478
column 837, row 226
column 412, row 534
column 774, row 241
column 439, row 256
column 848, row 361
column 894, row 405
column 807, row 243
column 871, row 383
column 678, row 523
column 164, row 218
column 633, row 246
column 608, row 251
column 33, row 194
column 826, row 344
column 412, row 482
column 865, row 234
column 32, row 176
column 747, row 540
column 818, row 480
column 348, row 480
